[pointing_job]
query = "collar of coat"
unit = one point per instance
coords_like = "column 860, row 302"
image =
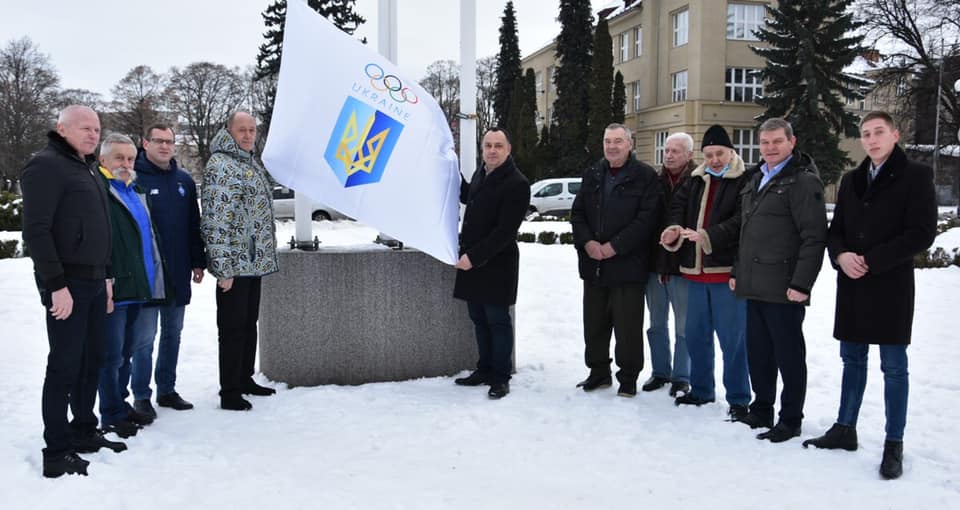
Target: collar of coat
column 60, row 145
column 691, row 166
column 897, row 160
column 600, row 168
column 736, row 169
column 799, row 162
column 144, row 165
column 499, row 173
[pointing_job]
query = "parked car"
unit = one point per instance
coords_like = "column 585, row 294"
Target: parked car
column 553, row 197
column 283, row 206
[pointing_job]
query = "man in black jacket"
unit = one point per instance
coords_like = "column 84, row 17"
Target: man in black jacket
column 66, row 227
column 782, row 236
column 614, row 218
column 886, row 213
column 497, row 199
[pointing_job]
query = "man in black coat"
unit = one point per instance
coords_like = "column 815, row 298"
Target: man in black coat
column 614, row 218
column 66, row 227
column 782, row 235
column 886, row 213
column 497, row 198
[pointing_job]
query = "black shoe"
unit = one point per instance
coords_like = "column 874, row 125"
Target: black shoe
column 755, row 421
column 595, row 382
column 235, row 403
column 780, row 433
column 891, row 467
column 144, row 407
column 140, row 419
column 476, row 378
column 691, row 399
column 66, row 464
column 253, row 388
column 627, row 389
column 123, row 429
column 654, row 383
column 737, row 412
column 838, row 437
column 678, row 387
column 499, row 390
column 173, row 401
column 91, row 442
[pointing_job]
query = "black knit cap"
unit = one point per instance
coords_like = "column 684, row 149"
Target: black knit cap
column 716, row 135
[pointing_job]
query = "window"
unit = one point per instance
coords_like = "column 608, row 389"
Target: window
column 637, row 42
column 636, row 96
column 680, row 20
column 743, row 85
column 679, row 86
column 553, row 84
column 539, row 79
column 280, row 193
column 550, row 190
column 573, row 187
column 624, row 46
column 660, row 140
column 550, row 115
column 746, row 142
column 743, row 20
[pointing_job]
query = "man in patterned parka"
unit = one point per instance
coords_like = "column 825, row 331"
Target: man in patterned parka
column 238, row 230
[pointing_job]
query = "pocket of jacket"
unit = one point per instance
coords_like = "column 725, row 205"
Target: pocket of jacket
column 252, row 248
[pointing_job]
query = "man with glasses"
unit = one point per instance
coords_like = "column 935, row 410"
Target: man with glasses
column 172, row 197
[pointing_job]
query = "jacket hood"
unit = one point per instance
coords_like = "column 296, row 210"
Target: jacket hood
column 60, row 144
column 224, row 142
column 144, row 165
column 806, row 163
column 736, row 169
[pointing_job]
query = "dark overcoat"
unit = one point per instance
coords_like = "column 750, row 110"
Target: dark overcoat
column 496, row 205
column 888, row 222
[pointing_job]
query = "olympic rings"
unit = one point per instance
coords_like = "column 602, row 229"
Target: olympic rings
column 390, row 84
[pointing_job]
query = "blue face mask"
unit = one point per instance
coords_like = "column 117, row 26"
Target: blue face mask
column 715, row 173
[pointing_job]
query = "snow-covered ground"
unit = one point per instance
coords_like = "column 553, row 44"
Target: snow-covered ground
column 429, row 444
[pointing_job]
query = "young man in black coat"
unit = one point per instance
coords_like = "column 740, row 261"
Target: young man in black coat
column 66, row 227
column 614, row 218
column 886, row 213
column 497, row 198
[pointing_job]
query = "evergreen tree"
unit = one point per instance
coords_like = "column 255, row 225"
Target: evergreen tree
column 339, row 12
column 619, row 103
column 601, row 89
column 572, row 106
column 809, row 47
column 508, row 67
column 524, row 129
column 547, row 154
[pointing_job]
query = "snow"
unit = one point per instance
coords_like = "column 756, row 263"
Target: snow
column 945, row 150
column 428, row 444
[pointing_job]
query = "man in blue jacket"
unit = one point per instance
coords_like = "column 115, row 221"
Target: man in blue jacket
column 172, row 196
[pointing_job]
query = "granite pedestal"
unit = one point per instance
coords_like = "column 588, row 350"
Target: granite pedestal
column 338, row 316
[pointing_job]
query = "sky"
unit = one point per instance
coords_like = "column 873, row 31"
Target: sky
column 94, row 43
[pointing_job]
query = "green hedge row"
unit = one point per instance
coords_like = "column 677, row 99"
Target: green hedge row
column 11, row 210
column 545, row 237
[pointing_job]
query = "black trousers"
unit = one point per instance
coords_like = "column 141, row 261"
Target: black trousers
column 618, row 310
column 775, row 343
column 494, row 331
column 237, row 313
column 73, row 365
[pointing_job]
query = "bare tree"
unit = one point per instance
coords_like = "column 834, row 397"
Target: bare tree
column 915, row 37
column 28, row 102
column 486, row 90
column 137, row 99
column 85, row 97
column 203, row 95
column 443, row 83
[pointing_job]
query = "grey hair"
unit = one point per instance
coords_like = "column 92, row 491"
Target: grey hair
column 617, row 125
column 776, row 123
column 683, row 137
column 114, row 138
column 66, row 114
column 233, row 117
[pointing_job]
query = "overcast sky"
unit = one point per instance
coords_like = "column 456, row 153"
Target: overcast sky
column 93, row 43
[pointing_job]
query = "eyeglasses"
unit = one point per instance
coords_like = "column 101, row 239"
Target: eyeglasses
column 163, row 141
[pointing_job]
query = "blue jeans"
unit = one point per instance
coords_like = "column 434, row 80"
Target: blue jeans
column 168, row 351
column 712, row 307
column 125, row 329
column 494, row 331
column 896, row 385
column 659, row 296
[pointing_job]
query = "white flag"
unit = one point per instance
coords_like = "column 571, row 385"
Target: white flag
column 349, row 131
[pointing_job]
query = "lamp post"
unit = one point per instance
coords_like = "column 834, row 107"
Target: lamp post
column 936, row 128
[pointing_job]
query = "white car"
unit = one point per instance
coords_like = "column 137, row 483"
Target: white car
column 283, row 207
column 553, row 197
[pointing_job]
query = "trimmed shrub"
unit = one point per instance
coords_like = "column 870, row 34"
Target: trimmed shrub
column 11, row 212
column 547, row 237
column 8, row 249
column 526, row 237
column 566, row 238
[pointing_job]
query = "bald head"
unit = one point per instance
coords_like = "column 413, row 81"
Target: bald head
column 243, row 128
column 80, row 127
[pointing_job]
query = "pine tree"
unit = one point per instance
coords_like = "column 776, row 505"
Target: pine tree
column 572, row 106
column 339, row 12
column 601, row 89
column 524, row 129
column 547, row 154
column 508, row 67
column 619, row 103
column 804, row 82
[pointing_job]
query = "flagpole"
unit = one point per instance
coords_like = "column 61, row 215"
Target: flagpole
column 468, row 87
column 387, row 46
